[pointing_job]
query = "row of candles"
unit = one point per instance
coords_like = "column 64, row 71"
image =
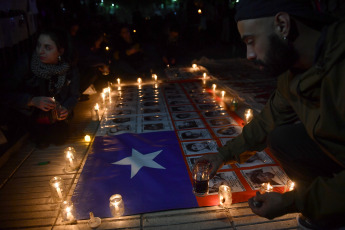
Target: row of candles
column 58, row 192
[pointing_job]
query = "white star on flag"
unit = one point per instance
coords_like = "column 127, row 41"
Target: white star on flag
column 138, row 160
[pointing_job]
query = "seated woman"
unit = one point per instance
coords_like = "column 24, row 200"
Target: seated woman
column 47, row 91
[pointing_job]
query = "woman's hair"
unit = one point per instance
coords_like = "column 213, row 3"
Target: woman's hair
column 62, row 40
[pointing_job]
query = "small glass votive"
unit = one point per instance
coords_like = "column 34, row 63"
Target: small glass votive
column 57, row 188
column 71, row 161
column 289, row 186
column 67, row 212
column 225, row 196
column 117, row 208
column 234, row 104
column 266, row 187
column 201, row 177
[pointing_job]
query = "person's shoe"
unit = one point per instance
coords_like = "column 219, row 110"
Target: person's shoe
column 305, row 224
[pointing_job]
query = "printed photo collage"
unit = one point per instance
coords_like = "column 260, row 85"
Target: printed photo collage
column 135, row 109
column 199, row 120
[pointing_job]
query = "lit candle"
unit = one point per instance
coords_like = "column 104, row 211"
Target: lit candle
column 156, row 86
column 248, row 115
column 139, row 80
column 154, row 77
column 204, row 75
column 56, row 187
column 223, row 94
column 116, row 205
column 199, row 11
column 266, row 187
column 96, row 107
column 118, row 81
column 58, row 190
column 71, row 161
column 225, row 196
column 87, row 138
column 107, row 48
column 67, row 211
column 214, row 86
column 290, row 185
column 194, row 66
column 119, row 88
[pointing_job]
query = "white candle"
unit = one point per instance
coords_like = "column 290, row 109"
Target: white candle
column 223, row 94
column 154, row 77
column 139, row 80
column 58, row 190
column 214, row 86
column 119, row 81
column 194, row 66
column 204, row 75
column 70, row 158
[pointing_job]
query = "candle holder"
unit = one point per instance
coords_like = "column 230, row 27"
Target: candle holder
column 201, row 176
column 71, row 161
column 289, row 186
column 57, row 189
column 225, row 196
column 234, row 104
column 116, row 205
column 67, row 212
column 265, row 187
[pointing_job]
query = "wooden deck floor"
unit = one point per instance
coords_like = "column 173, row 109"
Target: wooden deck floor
column 25, row 198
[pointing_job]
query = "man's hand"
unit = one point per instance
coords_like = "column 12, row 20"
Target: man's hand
column 216, row 162
column 43, row 103
column 269, row 205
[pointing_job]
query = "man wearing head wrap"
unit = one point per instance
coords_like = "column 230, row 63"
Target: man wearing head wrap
column 303, row 123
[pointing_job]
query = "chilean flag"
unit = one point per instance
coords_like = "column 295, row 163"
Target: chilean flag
column 148, row 170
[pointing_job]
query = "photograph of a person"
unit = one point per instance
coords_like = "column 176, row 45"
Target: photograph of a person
column 151, row 110
column 118, row 128
column 123, row 112
column 182, row 116
column 199, row 147
column 121, row 120
column 178, row 102
column 219, row 122
column 215, row 113
column 189, row 124
column 182, row 108
column 256, row 177
column 228, row 131
column 194, row 134
column 208, row 107
column 151, row 103
column 259, row 158
column 158, row 126
column 154, row 118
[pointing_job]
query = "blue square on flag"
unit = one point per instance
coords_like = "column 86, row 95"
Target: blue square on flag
column 147, row 170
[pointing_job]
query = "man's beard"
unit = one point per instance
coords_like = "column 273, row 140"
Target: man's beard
column 279, row 58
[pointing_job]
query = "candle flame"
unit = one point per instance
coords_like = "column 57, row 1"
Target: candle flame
column 96, row 107
column 139, row 80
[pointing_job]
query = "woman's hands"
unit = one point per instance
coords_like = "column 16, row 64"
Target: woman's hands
column 48, row 103
column 43, row 103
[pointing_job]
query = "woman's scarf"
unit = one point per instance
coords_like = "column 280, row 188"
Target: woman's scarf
column 55, row 73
